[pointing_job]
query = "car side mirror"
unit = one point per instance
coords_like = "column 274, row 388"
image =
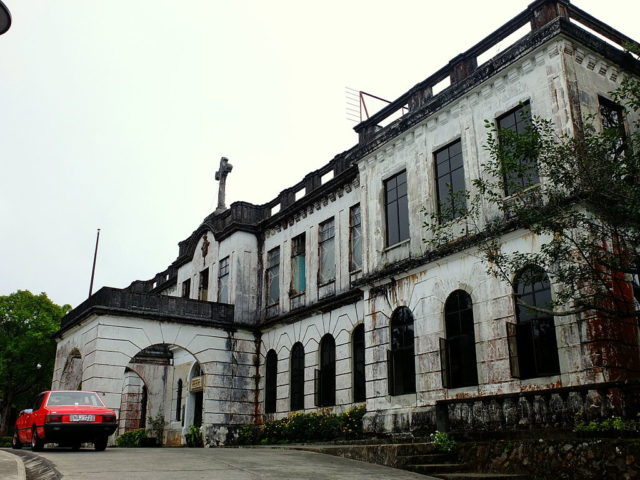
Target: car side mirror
column 28, row 410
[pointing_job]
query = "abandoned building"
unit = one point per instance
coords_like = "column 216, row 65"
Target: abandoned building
column 327, row 296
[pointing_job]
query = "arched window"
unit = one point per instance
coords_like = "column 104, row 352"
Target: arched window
column 400, row 359
column 325, row 378
column 458, row 348
column 297, row 377
column 179, row 401
column 357, row 346
column 271, row 382
column 533, row 350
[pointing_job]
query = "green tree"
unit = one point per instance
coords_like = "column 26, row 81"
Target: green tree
column 27, row 349
column 584, row 211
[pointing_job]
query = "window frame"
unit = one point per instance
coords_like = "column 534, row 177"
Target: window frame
column 451, row 199
column 533, row 353
column 401, row 365
column 326, row 248
column 223, row 279
column 519, row 113
column 203, row 285
column 298, row 265
column 186, row 288
column 396, row 201
column 355, row 238
column 458, row 347
column 272, row 272
column 296, row 380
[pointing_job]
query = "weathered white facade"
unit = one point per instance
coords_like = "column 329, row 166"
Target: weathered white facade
column 319, row 263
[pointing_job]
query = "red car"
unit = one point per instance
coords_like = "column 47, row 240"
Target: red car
column 68, row 418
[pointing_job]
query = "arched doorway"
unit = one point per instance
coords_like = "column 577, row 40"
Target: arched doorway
column 162, row 385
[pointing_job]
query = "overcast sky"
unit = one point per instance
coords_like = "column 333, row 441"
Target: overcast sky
column 114, row 114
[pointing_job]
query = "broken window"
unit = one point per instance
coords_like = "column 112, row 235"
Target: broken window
column 458, row 349
column 223, row 281
column 533, row 349
column 203, row 286
column 355, row 239
column 271, row 382
column 273, row 277
column 186, row 288
column 297, row 377
column 326, row 246
column 325, row 378
column 179, row 401
column 450, row 185
column 520, row 168
column 400, row 359
column 612, row 117
column 396, row 208
column 298, row 266
column 357, row 345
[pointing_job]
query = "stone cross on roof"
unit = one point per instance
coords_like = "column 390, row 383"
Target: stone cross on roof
column 221, row 176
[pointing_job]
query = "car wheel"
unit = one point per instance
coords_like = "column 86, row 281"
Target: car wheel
column 100, row 444
column 36, row 442
column 15, row 442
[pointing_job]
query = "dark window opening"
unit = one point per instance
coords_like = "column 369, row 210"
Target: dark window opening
column 297, row 377
column 396, row 208
column 179, row 401
column 186, row 288
column 450, row 184
column 203, row 286
column 325, row 378
column 355, row 239
column 359, row 380
column 458, row 349
column 612, row 117
column 401, row 358
column 533, row 350
column 520, row 168
column 198, row 398
column 143, row 408
column 271, row 382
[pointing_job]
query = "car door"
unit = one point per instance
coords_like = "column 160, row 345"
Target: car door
column 36, row 417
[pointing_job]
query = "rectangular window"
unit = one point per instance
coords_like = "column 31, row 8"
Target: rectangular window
column 520, row 170
column 273, row 276
column 612, row 117
column 298, row 266
column 326, row 245
column 223, row 281
column 450, row 182
column 203, row 288
column 396, row 208
column 186, row 288
column 355, row 239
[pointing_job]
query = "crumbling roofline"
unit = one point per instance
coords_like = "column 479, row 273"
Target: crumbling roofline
column 537, row 14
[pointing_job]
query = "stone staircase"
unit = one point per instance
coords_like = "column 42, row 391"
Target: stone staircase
column 422, row 458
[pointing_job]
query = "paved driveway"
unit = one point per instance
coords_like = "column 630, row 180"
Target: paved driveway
column 214, row 463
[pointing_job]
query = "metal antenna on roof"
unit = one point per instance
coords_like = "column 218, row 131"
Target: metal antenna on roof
column 93, row 270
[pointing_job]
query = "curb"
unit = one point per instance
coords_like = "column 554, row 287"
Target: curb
column 20, row 470
column 34, row 467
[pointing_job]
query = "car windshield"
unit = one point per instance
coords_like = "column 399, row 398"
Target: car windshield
column 74, row 398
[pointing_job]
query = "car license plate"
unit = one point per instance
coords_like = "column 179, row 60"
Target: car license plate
column 83, row 418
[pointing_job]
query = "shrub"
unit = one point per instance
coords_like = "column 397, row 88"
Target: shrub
column 442, row 442
column 131, row 439
column 305, row 427
column 5, row 442
column 156, row 426
column 194, row 437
